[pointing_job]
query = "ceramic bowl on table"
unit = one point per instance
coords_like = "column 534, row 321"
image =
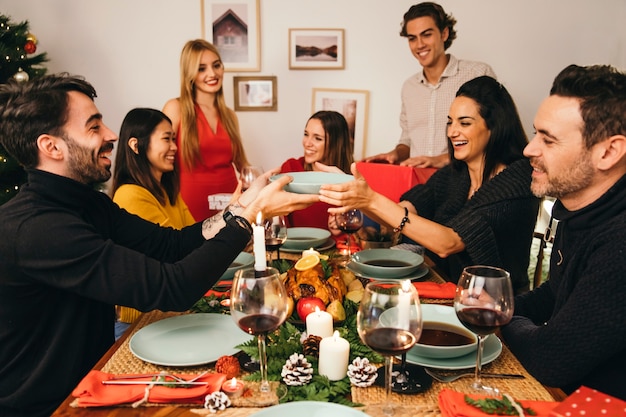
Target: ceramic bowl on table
column 386, row 263
column 443, row 335
column 309, row 182
column 305, row 237
column 243, row 260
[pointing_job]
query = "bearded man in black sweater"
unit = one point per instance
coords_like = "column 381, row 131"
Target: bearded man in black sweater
column 569, row 331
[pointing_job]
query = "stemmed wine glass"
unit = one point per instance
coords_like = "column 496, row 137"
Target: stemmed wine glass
column 275, row 236
column 389, row 321
column 248, row 174
column 483, row 303
column 259, row 306
column 349, row 222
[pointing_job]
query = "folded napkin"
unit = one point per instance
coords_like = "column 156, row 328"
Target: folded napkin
column 91, row 392
column 429, row 289
column 452, row 404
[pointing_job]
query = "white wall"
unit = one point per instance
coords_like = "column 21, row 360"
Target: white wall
column 129, row 50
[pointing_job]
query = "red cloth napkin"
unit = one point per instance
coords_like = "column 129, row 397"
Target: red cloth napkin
column 429, row 289
column 91, row 392
column 452, row 404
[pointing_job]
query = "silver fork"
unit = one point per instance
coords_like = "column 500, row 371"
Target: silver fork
column 160, row 374
column 453, row 377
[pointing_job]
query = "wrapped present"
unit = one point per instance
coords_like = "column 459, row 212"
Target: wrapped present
column 589, row 402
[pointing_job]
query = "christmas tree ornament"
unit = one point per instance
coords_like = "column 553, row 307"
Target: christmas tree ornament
column 31, row 38
column 21, row 76
column 297, row 370
column 30, row 47
column 362, row 373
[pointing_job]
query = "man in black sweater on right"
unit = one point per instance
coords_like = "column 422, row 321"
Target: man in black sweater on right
column 569, row 331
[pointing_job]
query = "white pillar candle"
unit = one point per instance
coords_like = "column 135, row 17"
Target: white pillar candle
column 260, row 263
column 319, row 323
column 334, row 357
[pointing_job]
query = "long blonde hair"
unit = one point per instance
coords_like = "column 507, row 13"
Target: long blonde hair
column 189, row 142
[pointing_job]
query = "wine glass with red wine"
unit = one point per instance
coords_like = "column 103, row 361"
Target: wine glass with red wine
column 349, row 222
column 259, row 306
column 275, row 236
column 389, row 321
column 483, row 303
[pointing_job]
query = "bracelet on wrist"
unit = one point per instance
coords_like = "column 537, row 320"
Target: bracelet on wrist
column 404, row 221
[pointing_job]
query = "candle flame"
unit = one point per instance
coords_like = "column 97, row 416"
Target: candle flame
column 233, row 383
column 335, row 336
column 259, row 219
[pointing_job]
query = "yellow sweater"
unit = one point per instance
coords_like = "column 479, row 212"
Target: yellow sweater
column 138, row 200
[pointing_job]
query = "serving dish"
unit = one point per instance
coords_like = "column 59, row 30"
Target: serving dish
column 385, row 262
column 302, row 238
column 309, row 182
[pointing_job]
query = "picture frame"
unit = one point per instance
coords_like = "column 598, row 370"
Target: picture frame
column 255, row 93
column 234, row 27
column 316, row 49
column 353, row 105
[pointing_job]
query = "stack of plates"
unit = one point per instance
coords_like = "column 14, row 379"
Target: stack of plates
column 388, row 264
column 302, row 238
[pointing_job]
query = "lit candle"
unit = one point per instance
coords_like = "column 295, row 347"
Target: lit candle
column 233, row 388
column 319, row 323
column 334, row 356
column 259, row 244
column 310, row 251
column 404, row 309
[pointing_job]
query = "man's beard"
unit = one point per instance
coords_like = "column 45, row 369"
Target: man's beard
column 576, row 177
column 83, row 164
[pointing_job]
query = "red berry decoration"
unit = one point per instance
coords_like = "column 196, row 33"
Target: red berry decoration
column 30, row 47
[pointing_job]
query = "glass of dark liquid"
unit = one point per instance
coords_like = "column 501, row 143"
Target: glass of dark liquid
column 389, row 321
column 349, row 222
column 259, row 306
column 483, row 303
column 275, row 236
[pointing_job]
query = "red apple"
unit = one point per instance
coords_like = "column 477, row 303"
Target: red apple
column 306, row 305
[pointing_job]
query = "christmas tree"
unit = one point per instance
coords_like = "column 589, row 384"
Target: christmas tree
column 18, row 62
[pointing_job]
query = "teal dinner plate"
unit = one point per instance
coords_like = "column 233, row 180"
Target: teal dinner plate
column 309, row 182
column 386, row 262
column 188, row 340
column 309, row 409
column 327, row 245
column 421, row 272
column 302, row 238
column 491, row 351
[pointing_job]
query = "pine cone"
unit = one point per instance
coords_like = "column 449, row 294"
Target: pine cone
column 297, row 370
column 228, row 365
column 216, row 401
column 362, row 373
column 311, row 345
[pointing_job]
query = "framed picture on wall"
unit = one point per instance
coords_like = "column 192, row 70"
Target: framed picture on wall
column 353, row 105
column 234, row 27
column 316, row 49
column 255, row 93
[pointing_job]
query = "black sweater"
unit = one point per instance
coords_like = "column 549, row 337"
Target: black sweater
column 496, row 224
column 570, row 331
column 68, row 254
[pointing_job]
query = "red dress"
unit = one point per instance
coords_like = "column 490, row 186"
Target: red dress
column 214, row 175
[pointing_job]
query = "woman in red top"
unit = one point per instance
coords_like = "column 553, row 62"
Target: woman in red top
column 326, row 140
column 208, row 135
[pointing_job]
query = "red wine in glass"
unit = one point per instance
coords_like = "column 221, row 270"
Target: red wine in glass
column 482, row 321
column 256, row 324
column 389, row 341
column 349, row 222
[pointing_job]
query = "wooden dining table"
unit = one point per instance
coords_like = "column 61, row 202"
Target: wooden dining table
column 119, row 359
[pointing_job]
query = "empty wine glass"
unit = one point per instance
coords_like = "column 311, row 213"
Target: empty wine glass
column 483, row 303
column 389, row 321
column 248, row 174
column 349, row 222
column 259, row 306
column 275, row 236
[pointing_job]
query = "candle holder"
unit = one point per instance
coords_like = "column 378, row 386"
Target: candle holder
column 233, row 388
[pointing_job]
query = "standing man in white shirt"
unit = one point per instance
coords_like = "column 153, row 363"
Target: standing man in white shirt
column 427, row 95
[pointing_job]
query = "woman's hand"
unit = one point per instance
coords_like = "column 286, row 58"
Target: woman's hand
column 355, row 194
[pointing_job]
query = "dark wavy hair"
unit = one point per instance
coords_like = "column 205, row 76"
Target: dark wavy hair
column 134, row 168
column 339, row 147
column 496, row 106
column 442, row 20
column 601, row 90
column 34, row 108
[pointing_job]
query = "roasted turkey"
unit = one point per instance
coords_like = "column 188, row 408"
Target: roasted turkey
column 311, row 283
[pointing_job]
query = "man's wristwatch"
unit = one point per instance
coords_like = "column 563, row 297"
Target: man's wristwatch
column 237, row 221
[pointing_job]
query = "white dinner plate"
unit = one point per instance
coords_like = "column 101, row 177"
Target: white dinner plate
column 492, row 349
column 421, row 272
column 309, row 409
column 188, row 340
column 329, row 244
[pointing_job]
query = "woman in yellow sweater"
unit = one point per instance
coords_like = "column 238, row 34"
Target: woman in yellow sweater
column 145, row 179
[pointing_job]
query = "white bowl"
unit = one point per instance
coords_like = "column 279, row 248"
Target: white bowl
column 305, row 237
column 443, row 318
column 386, row 263
column 309, row 182
column 243, row 260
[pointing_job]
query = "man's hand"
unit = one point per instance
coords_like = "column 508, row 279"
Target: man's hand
column 438, row 161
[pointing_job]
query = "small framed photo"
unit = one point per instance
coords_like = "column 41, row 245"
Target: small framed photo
column 353, row 105
column 234, row 27
column 316, row 49
column 255, row 93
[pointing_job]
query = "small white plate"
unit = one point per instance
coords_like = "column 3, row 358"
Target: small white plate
column 309, row 409
column 329, row 244
column 188, row 340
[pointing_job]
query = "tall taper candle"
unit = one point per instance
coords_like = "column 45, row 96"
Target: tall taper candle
column 260, row 264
